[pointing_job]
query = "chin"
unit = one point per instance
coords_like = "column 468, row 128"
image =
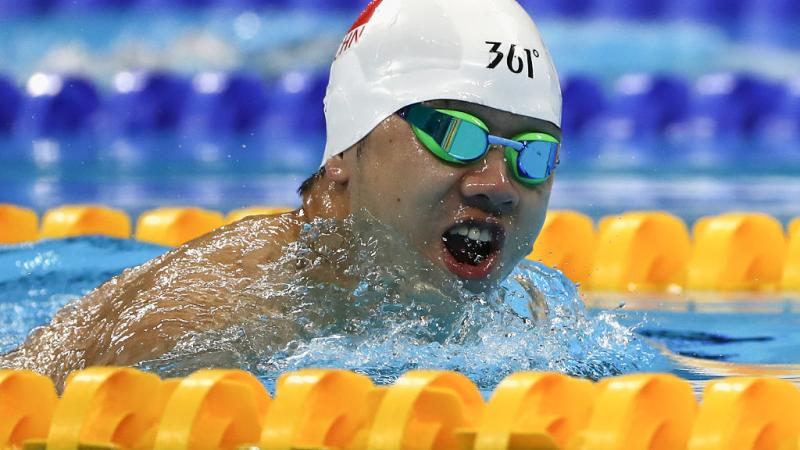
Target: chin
column 480, row 286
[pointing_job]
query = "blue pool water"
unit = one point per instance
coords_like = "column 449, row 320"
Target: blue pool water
column 697, row 340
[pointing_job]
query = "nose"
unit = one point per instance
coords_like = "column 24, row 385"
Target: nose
column 487, row 185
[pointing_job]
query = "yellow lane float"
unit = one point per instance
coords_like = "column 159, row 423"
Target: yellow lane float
column 105, row 407
column 213, row 409
column 17, row 224
column 567, row 242
column 85, row 220
column 737, row 252
column 747, row 414
column 533, row 410
column 316, row 408
column 423, row 410
column 108, row 408
column 176, row 226
column 27, row 402
column 640, row 412
column 641, row 251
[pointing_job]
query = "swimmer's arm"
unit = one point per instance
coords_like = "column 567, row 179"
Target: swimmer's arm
column 111, row 325
column 199, row 290
column 143, row 312
column 74, row 333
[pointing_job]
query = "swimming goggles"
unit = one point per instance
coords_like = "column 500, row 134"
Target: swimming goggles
column 461, row 138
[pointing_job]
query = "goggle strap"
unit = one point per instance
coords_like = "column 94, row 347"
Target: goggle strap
column 497, row 140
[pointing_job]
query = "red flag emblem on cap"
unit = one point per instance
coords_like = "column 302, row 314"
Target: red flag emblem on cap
column 354, row 34
column 365, row 15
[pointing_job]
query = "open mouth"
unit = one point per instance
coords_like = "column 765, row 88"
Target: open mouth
column 471, row 247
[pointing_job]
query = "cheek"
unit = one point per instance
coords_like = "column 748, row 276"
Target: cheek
column 414, row 178
column 398, row 182
column 532, row 212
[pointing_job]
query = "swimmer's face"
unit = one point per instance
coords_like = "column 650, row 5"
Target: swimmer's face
column 434, row 203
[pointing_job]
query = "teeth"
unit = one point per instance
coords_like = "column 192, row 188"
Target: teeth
column 474, row 233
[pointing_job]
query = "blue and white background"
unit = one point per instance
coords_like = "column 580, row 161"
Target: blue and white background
column 691, row 106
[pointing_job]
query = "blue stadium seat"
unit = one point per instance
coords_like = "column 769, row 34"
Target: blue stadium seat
column 721, row 12
column 791, row 102
column 234, row 102
column 148, row 101
column 330, row 5
column 630, row 9
column 650, row 102
column 296, row 101
column 784, row 122
column 631, row 132
column 733, row 103
column 10, row 101
column 246, row 4
column 150, row 5
column 91, row 5
column 58, row 105
column 773, row 21
column 195, row 3
column 561, row 8
column 16, row 7
column 584, row 100
column 773, row 10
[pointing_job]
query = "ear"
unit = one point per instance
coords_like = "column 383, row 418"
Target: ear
column 329, row 196
column 338, row 169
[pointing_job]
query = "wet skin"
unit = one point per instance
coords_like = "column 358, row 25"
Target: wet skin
column 143, row 313
column 408, row 188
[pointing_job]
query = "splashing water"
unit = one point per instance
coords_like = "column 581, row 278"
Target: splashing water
column 342, row 297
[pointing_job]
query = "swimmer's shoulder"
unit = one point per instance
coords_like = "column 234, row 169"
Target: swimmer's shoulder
column 265, row 229
column 256, row 239
column 234, row 251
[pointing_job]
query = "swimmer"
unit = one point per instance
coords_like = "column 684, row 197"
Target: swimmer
column 443, row 127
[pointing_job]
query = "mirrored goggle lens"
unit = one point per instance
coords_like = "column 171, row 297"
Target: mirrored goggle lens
column 536, row 159
column 460, row 139
column 465, row 141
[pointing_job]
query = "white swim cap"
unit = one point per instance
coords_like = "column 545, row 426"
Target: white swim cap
column 401, row 52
